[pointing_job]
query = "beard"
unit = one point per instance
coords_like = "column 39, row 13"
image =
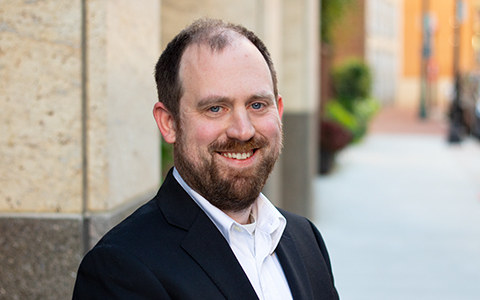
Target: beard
column 227, row 188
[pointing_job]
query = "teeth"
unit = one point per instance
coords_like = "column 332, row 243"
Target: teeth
column 241, row 156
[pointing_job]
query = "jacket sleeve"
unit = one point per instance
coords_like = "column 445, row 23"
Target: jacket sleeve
column 109, row 272
column 325, row 255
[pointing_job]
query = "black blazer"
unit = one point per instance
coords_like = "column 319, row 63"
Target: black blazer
column 170, row 249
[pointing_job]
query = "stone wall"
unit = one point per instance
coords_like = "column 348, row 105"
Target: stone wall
column 79, row 146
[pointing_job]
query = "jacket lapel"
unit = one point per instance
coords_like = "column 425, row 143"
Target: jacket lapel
column 204, row 242
column 211, row 251
column 293, row 267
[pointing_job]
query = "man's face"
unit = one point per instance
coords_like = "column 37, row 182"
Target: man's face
column 230, row 132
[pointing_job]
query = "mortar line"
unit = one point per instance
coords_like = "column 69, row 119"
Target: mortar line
column 84, row 71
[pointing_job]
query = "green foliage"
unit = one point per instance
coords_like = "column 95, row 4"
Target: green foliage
column 365, row 110
column 352, row 81
column 331, row 13
column 167, row 157
column 336, row 112
column 356, row 121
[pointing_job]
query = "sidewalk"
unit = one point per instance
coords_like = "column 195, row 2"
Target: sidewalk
column 398, row 121
column 401, row 214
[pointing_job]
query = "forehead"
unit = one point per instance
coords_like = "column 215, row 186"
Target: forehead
column 237, row 67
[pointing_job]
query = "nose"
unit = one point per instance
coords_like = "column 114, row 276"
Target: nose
column 240, row 126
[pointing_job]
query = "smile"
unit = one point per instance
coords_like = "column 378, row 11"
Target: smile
column 239, row 155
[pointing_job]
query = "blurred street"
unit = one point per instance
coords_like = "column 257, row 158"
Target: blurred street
column 401, row 213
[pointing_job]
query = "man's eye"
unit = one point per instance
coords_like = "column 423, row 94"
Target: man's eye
column 257, row 105
column 215, row 109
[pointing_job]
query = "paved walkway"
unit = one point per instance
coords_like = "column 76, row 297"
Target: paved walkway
column 401, row 214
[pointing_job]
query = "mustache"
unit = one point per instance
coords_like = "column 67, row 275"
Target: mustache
column 232, row 145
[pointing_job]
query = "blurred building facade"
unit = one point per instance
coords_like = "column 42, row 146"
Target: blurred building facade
column 80, row 148
column 406, row 50
column 383, row 44
column 429, row 49
column 370, row 30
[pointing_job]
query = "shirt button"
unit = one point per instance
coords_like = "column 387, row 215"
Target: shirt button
column 236, row 228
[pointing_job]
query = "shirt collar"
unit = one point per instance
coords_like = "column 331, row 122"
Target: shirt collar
column 269, row 220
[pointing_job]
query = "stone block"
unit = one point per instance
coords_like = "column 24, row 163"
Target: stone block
column 39, row 256
column 123, row 45
column 300, row 56
column 40, row 88
column 176, row 14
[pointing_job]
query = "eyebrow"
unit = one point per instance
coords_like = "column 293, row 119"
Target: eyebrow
column 265, row 95
column 214, row 99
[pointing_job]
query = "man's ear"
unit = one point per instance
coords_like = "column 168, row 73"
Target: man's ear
column 280, row 105
column 165, row 122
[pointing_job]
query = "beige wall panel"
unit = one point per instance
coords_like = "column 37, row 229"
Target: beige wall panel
column 97, row 136
column 40, row 100
column 271, row 33
column 312, row 16
column 177, row 14
column 300, row 56
column 123, row 46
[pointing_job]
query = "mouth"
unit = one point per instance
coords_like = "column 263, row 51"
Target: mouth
column 238, row 155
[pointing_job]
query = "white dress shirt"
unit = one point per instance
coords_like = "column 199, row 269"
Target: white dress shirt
column 253, row 244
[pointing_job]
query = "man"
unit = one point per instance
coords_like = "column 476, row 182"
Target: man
column 210, row 233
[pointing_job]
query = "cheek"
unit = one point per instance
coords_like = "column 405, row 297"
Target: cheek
column 271, row 128
column 203, row 133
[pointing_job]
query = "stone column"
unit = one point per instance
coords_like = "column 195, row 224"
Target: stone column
column 79, row 148
column 299, row 87
column 122, row 151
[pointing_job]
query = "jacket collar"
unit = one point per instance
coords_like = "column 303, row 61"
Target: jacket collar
column 294, row 267
column 207, row 246
column 203, row 242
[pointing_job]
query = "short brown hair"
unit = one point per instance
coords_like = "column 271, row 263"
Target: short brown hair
column 211, row 32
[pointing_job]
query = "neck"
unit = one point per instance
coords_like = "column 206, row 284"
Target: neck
column 242, row 217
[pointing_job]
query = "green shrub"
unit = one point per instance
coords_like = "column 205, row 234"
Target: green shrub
column 352, row 82
column 366, row 109
column 336, row 112
column 355, row 121
column 364, row 112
